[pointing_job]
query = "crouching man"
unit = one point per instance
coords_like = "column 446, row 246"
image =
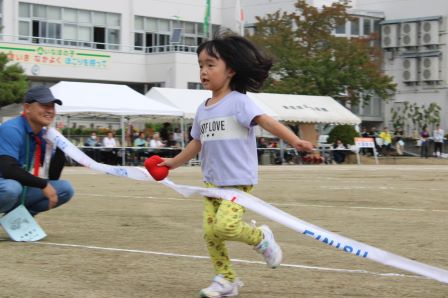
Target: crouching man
column 22, row 151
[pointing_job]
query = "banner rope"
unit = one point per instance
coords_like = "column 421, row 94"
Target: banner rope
column 259, row 206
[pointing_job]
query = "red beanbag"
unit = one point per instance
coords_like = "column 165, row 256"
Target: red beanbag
column 158, row 173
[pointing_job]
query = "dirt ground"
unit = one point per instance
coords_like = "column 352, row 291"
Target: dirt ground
column 124, row 238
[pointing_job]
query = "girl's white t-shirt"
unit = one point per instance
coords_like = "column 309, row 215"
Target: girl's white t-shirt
column 229, row 149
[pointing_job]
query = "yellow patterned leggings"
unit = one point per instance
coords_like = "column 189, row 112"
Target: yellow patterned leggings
column 223, row 221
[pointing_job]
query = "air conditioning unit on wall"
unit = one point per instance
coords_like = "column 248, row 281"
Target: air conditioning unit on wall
column 429, row 33
column 408, row 34
column 429, row 68
column 410, row 70
column 389, row 36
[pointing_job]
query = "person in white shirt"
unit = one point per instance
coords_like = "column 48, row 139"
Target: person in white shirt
column 109, row 155
column 109, row 141
column 438, row 136
column 177, row 138
column 339, row 156
column 155, row 142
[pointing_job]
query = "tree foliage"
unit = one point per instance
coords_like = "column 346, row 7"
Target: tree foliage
column 418, row 115
column 13, row 82
column 346, row 133
column 310, row 60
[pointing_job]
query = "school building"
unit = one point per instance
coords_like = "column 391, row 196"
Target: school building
column 414, row 42
column 147, row 43
column 140, row 43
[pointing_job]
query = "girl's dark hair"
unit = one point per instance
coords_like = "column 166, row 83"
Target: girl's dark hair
column 250, row 65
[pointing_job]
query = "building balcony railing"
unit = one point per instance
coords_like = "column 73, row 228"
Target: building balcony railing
column 97, row 45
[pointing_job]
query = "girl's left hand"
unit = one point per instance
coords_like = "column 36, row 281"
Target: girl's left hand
column 169, row 162
column 303, row 145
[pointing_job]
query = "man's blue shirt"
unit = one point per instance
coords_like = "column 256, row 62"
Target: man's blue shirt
column 14, row 135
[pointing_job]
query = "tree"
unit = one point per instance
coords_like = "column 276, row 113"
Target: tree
column 418, row 115
column 346, row 133
column 310, row 60
column 13, row 82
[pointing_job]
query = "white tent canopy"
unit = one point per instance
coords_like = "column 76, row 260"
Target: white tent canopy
column 307, row 109
column 188, row 100
column 94, row 99
column 285, row 107
column 107, row 99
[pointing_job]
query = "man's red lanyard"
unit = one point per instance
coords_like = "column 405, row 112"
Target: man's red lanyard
column 37, row 155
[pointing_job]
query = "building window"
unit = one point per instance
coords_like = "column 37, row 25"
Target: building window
column 160, row 35
column 54, row 13
column 138, row 41
column 24, row 10
column 340, row 29
column 156, row 84
column 367, row 26
column 113, row 20
column 99, row 19
column 150, row 24
column 356, row 109
column 85, row 36
column 113, row 38
column 39, row 11
column 176, row 35
column 195, row 86
column 190, row 41
column 354, row 28
column 70, row 15
column 374, row 108
column 164, row 25
column 84, row 17
column 138, row 23
column 46, row 32
column 69, row 26
column 24, row 30
column 189, row 28
column 376, row 26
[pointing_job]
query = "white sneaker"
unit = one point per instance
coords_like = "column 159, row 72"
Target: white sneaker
column 270, row 250
column 221, row 287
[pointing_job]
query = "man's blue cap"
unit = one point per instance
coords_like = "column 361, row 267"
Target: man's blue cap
column 41, row 94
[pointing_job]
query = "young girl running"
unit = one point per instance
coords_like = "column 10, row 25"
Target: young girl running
column 223, row 132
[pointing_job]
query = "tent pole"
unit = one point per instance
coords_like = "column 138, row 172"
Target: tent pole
column 282, row 151
column 182, row 129
column 68, row 127
column 123, row 145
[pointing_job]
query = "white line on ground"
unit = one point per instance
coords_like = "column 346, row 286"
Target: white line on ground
column 272, row 203
column 233, row 260
column 358, row 207
column 78, row 170
column 133, row 197
column 379, row 188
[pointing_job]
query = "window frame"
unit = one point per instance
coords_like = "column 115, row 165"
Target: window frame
column 355, row 27
column 368, row 22
column 79, row 18
column 161, row 40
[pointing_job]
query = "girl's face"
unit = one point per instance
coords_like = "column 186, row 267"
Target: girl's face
column 214, row 73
